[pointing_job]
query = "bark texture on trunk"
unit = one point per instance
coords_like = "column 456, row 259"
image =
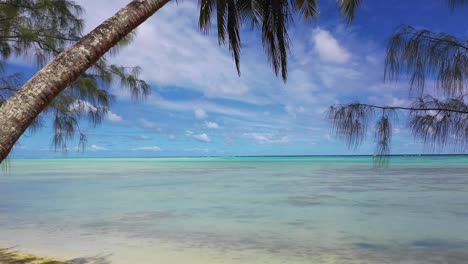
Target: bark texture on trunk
column 17, row 113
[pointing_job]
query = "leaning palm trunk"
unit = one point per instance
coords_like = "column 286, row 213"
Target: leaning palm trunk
column 18, row 112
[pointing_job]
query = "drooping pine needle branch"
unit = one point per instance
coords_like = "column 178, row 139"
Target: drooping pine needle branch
column 438, row 123
column 424, row 55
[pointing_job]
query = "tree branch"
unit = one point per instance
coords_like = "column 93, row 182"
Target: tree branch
column 412, row 108
column 433, row 39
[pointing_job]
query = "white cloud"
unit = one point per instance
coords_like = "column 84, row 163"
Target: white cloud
column 113, row 117
column 146, row 124
column 150, row 148
column 209, row 69
column 211, row 125
column 294, row 110
column 84, row 106
column 200, row 113
column 328, row 47
column 143, row 137
column 267, row 138
column 206, row 67
column 96, row 148
column 201, row 137
column 190, row 105
column 321, row 70
column 388, row 100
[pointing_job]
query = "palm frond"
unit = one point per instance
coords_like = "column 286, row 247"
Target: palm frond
column 221, row 16
column 233, row 26
column 271, row 17
column 250, row 12
column 307, row 8
column 275, row 38
column 457, row 3
column 348, row 9
column 228, row 16
column 206, row 9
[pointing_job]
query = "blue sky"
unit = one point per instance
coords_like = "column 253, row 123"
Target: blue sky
column 199, row 106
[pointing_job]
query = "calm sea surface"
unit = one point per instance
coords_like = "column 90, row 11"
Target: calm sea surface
column 238, row 210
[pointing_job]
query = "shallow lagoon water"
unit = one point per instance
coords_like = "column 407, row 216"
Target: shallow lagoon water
column 239, row 210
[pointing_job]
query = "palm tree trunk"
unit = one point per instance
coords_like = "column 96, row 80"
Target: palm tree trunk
column 17, row 113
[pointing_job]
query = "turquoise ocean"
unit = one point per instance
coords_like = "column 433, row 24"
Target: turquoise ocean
column 238, row 210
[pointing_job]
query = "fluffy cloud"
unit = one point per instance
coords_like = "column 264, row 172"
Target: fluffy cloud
column 148, row 125
column 211, row 125
column 328, row 47
column 294, row 110
column 267, row 138
column 202, row 105
column 113, row 117
column 96, row 148
column 322, row 72
column 142, row 137
column 388, row 100
column 84, row 106
column 149, row 148
column 209, row 69
column 205, row 66
column 201, row 137
column 200, row 113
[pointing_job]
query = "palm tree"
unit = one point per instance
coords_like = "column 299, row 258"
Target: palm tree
column 437, row 121
column 270, row 17
column 40, row 30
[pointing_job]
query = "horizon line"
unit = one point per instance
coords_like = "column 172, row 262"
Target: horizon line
column 249, row 156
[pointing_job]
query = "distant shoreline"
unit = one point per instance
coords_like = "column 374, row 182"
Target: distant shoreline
column 249, row 156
